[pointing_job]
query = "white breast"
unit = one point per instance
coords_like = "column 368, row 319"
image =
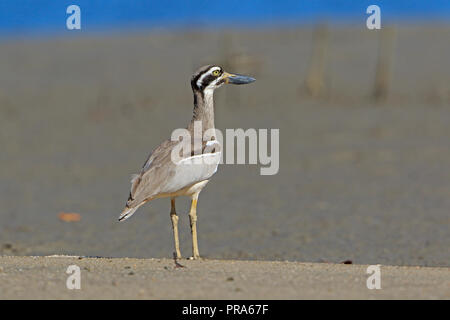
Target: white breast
column 193, row 169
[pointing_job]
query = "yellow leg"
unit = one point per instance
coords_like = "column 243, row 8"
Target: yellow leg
column 174, row 218
column 193, row 220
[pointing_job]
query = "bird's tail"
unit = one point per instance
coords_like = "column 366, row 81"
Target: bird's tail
column 127, row 212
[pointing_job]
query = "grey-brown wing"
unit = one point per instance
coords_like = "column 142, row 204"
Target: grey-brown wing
column 162, row 175
column 157, row 169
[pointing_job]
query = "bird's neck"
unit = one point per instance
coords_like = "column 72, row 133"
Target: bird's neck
column 203, row 109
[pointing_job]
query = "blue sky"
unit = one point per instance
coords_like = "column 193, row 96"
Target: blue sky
column 44, row 16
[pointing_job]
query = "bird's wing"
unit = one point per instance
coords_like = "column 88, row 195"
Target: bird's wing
column 161, row 175
column 155, row 171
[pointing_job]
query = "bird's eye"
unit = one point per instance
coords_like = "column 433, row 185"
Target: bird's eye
column 216, row 73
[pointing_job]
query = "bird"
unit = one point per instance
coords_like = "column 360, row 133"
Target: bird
column 164, row 175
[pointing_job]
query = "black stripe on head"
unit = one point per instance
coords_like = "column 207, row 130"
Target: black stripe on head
column 197, row 76
column 205, row 81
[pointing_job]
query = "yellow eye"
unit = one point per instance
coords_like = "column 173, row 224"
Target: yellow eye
column 216, row 73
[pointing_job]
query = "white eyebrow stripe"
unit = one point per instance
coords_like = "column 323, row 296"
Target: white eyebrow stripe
column 200, row 80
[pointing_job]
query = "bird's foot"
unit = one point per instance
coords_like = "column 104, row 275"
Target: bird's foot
column 195, row 257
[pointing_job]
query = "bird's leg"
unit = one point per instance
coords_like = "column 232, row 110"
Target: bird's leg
column 174, row 218
column 193, row 220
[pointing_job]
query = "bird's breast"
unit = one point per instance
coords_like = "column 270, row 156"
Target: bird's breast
column 193, row 169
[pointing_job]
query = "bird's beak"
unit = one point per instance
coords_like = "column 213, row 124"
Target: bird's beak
column 237, row 78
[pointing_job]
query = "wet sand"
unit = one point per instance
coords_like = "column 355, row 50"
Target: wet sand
column 357, row 181
column 104, row 278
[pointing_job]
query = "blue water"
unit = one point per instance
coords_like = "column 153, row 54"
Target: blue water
column 44, row 16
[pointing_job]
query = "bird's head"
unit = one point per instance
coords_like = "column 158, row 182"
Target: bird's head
column 212, row 77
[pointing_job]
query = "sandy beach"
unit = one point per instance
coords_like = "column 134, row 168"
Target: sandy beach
column 124, row 278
